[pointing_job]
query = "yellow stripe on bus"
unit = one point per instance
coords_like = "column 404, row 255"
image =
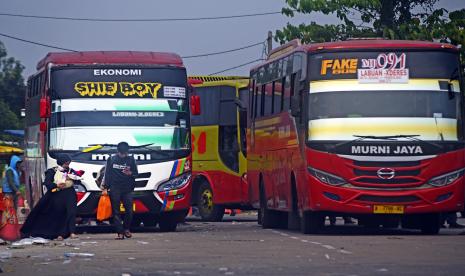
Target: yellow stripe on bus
column 346, row 128
column 354, row 85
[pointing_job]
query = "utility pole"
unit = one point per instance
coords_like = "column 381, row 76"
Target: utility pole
column 269, row 42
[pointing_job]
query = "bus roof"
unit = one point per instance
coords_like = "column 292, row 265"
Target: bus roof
column 218, row 80
column 354, row 44
column 111, row 57
column 378, row 43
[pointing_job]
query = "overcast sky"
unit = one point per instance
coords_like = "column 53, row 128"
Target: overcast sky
column 184, row 38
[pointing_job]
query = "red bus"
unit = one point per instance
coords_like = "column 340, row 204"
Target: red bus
column 371, row 129
column 84, row 103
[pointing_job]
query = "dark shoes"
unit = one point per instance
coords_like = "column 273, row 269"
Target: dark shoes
column 122, row 236
column 127, row 234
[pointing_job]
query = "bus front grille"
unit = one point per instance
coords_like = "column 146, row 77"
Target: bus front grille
column 397, row 174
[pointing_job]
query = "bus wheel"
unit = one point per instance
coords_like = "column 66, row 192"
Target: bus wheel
column 311, row 222
column 207, row 209
column 268, row 218
column 430, row 224
column 168, row 222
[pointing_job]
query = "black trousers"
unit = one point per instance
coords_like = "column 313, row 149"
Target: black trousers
column 117, row 197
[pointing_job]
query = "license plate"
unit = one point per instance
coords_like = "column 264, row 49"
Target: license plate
column 388, row 209
column 121, row 207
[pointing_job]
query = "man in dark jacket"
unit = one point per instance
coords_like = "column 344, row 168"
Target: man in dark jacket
column 120, row 174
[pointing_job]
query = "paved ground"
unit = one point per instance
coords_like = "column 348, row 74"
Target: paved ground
column 241, row 247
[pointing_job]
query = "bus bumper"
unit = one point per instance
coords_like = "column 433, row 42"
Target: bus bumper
column 328, row 198
column 145, row 202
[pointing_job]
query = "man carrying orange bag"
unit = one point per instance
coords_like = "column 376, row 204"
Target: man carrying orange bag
column 104, row 207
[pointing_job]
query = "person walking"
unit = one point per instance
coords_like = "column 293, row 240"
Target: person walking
column 54, row 216
column 11, row 182
column 119, row 181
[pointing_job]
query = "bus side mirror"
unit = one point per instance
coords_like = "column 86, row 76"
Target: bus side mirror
column 195, row 105
column 44, row 108
column 295, row 106
column 240, row 104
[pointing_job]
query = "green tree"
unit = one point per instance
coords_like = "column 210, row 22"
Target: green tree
column 391, row 19
column 8, row 119
column 12, row 90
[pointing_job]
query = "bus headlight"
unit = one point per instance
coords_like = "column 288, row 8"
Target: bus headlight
column 175, row 183
column 446, row 179
column 327, row 178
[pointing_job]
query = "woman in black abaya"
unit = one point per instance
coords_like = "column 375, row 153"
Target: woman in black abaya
column 54, row 216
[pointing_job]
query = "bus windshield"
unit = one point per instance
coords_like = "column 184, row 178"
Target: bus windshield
column 148, row 107
column 369, row 98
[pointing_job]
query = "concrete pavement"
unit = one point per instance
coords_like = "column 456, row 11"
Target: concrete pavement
column 239, row 246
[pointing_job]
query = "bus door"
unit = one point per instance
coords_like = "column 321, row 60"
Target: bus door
column 242, row 138
column 228, row 144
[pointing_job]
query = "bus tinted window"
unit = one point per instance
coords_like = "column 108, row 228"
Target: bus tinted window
column 244, row 96
column 228, row 93
column 287, row 92
column 277, row 96
column 228, row 113
column 209, row 102
column 268, row 99
column 259, row 105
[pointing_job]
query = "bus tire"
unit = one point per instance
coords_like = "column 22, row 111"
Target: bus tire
column 168, row 222
column 268, row 218
column 208, row 211
column 311, row 222
column 293, row 219
column 430, row 224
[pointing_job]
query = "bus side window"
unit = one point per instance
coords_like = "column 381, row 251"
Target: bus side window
column 278, row 92
column 292, row 88
column 258, row 102
column 273, row 98
column 287, row 93
column 210, row 100
column 228, row 143
column 29, row 83
column 251, row 95
column 262, row 101
column 268, row 99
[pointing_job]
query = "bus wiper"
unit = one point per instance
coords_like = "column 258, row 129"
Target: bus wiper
column 115, row 145
column 93, row 147
column 386, row 137
column 156, row 150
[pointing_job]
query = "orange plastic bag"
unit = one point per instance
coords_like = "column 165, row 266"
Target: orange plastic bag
column 104, row 208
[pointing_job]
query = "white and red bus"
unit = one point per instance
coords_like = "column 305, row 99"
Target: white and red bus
column 366, row 128
column 84, row 103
